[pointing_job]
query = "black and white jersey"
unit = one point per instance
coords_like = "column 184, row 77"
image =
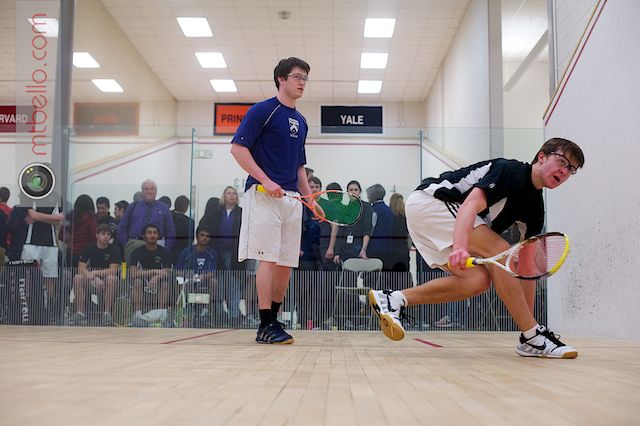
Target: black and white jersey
column 511, row 196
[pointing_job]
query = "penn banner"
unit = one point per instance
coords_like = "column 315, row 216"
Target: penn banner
column 106, row 119
column 227, row 117
column 351, row 119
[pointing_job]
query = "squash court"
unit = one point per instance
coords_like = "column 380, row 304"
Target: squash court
column 69, row 376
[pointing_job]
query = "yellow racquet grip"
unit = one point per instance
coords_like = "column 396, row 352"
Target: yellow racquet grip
column 469, row 263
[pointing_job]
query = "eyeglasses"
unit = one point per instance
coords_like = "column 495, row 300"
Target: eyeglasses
column 299, row 78
column 565, row 163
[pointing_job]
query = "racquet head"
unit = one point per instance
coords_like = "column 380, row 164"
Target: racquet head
column 339, row 207
column 539, row 256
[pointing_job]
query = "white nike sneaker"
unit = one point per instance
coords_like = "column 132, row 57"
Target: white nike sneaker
column 544, row 344
column 390, row 311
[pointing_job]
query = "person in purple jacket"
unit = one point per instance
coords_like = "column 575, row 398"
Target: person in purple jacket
column 142, row 213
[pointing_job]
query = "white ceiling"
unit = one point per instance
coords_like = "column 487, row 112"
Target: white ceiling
column 139, row 43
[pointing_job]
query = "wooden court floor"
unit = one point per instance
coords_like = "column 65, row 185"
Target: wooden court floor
column 119, row 376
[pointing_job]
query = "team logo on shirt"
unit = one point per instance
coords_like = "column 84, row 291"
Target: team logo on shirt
column 200, row 261
column 294, row 125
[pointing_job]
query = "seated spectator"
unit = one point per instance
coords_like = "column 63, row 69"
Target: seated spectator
column 103, row 215
column 150, row 270
column 200, row 259
column 97, row 269
column 4, row 199
column 184, row 225
column 79, row 229
column 142, row 213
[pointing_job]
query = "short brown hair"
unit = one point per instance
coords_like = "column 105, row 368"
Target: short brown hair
column 285, row 66
column 104, row 227
column 566, row 146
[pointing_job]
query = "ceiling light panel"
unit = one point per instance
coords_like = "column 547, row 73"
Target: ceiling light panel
column 224, row 86
column 369, row 86
column 373, row 60
column 195, row 27
column 84, row 60
column 379, row 27
column 211, row 60
column 46, row 26
column 107, row 85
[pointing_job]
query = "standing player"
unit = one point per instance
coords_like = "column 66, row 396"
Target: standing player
column 269, row 145
column 460, row 214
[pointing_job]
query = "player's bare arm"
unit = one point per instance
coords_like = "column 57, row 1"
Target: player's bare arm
column 244, row 158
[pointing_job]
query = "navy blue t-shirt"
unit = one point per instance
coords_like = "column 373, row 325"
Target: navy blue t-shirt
column 275, row 135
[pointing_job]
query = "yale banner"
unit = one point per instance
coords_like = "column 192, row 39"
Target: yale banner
column 227, row 117
column 351, row 119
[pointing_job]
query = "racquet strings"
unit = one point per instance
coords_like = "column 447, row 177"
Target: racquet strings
column 539, row 257
column 340, row 207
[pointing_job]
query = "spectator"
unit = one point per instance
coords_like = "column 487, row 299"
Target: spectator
column 309, row 171
column 400, row 234
column 200, row 259
column 185, row 226
column 310, row 258
column 5, row 212
column 118, row 212
column 80, row 228
column 213, row 206
column 380, row 245
column 33, row 237
column 103, row 215
column 150, row 271
column 137, row 196
column 98, row 269
column 224, row 222
column 328, row 233
column 139, row 214
column 4, row 199
column 165, row 200
column 353, row 241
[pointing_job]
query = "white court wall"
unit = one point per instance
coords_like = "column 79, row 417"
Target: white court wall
column 458, row 106
column 597, row 292
column 571, row 16
column 524, row 106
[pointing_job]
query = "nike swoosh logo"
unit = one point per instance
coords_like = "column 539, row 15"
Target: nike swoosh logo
column 540, row 348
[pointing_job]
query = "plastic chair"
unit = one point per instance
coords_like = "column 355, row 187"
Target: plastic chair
column 351, row 307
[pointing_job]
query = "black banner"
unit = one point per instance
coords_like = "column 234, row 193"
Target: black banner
column 351, row 119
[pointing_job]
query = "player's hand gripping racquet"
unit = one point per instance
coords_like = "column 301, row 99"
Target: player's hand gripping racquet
column 534, row 258
column 340, row 208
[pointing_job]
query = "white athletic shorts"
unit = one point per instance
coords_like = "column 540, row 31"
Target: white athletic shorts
column 430, row 222
column 47, row 256
column 271, row 228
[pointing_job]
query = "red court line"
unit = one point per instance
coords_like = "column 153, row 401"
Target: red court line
column 435, row 345
column 573, row 66
column 196, row 337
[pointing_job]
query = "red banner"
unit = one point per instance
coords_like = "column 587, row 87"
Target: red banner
column 110, row 119
column 227, row 117
column 10, row 119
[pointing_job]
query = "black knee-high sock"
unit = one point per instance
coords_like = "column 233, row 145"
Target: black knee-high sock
column 275, row 307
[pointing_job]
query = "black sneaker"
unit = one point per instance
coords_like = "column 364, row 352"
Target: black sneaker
column 274, row 334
